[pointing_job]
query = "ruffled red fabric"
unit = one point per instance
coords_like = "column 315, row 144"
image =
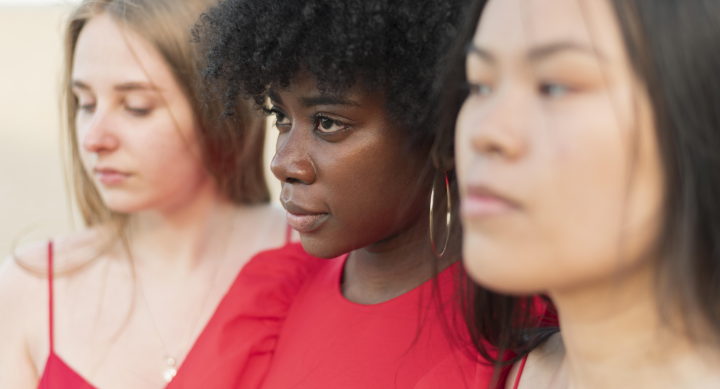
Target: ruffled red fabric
column 414, row 341
column 236, row 347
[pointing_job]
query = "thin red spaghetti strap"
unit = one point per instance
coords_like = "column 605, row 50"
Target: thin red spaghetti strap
column 50, row 288
column 288, row 235
column 519, row 373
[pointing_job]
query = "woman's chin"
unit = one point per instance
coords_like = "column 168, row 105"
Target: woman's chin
column 321, row 243
column 499, row 274
column 125, row 204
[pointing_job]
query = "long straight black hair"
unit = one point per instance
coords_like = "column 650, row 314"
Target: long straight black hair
column 674, row 48
column 502, row 328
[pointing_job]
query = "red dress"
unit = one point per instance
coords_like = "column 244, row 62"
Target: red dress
column 235, row 348
column 409, row 342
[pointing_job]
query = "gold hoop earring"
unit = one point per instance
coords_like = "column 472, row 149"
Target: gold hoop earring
column 447, row 218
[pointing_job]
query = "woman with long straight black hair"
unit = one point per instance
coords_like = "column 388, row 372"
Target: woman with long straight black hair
column 588, row 153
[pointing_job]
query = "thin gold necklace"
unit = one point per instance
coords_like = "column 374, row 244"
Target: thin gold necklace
column 171, row 369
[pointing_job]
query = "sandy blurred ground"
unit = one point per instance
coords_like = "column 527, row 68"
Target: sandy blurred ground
column 34, row 202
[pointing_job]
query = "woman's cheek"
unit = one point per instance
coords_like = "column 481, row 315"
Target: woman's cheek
column 462, row 145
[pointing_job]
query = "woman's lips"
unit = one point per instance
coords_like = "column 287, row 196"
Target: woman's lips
column 481, row 202
column 303, row 219
column 110, row 176
column 305, row 223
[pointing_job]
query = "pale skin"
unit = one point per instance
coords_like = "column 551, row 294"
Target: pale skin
column 188, row 240
column 562, row 192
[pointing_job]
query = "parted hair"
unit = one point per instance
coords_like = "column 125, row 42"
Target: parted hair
column 232, row 148
column 674, row 51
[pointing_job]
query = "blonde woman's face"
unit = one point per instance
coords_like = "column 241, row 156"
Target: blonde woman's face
column 559, row 169
column 135, row 126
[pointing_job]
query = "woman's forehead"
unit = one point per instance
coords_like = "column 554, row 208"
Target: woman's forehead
column 305, row 90
column 108, row 55
column 520, row 26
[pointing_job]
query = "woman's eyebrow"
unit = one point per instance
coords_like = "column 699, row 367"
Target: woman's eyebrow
column 124, row 87
column 325, row 99
column 539, row 53
column 131, row 86
column 472, row 49
column 274, row 96
column 77, row 84
column 311, row 101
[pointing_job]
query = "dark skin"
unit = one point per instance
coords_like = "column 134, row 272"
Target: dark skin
column 340, row 158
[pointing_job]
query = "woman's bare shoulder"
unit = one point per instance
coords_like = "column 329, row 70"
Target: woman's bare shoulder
column 22, row 303
column 23, row 275
column 543, row 366
column 17, row 282
column 269, row 221
column 29, row 263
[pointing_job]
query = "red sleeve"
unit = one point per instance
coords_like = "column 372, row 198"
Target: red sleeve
column 236, row 348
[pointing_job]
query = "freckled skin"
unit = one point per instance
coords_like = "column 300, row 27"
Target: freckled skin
column 374, row 189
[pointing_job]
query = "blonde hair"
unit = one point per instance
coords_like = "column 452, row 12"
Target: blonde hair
column 232, row 148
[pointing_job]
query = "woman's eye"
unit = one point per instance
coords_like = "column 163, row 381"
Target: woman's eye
column 281, row 118
column 554, row 90
column 479, row 89
column 87, row 107
column 139, row 111
column 327, row 125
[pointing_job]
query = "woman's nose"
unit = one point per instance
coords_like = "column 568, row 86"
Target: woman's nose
column 100, row 136
column 499, row 129
column 292, row 162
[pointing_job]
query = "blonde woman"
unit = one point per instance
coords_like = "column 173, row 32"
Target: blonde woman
column 175, row 204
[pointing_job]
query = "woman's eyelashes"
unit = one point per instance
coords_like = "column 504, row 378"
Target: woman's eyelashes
column 281, row 119
column 322, row 123
column 479, row 89
column 554, row 89
column 544, row 89
column 327, row 125
column 138, row 105
column 139, row 112
column 134, row 110
column 86, row 107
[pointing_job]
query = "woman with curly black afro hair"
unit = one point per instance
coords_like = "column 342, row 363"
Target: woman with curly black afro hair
column 350, row 84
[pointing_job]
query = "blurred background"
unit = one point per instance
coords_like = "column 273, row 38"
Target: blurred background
column 34, row 201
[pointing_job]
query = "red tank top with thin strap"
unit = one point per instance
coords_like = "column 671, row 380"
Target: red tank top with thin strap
column 519, row 373
column 57, row 374
column 549, row 319
column 235, row 347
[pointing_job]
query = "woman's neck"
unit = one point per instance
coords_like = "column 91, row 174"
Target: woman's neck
column 614, row 337
column 182, row 237
column 394, row 266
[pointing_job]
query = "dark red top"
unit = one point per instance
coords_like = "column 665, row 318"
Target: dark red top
column 411, row 341
column 235, row 348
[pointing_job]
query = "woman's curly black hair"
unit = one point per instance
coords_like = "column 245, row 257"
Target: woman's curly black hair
column 393, row 46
